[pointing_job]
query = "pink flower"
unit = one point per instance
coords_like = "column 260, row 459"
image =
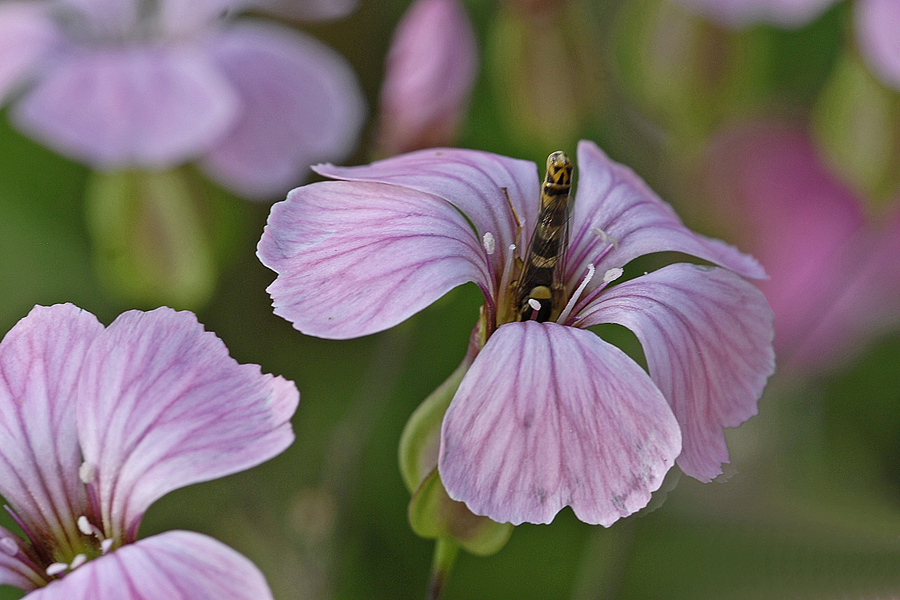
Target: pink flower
column 549, row 414
column 97, row 423
column 430, row 73
column 834, row 274
column 876, row 23
column 116, row 86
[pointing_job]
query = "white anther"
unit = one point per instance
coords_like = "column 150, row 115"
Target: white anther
column 84, row 526
column 605, row 237
column 534, row 304
column 489, row 243
column 57, row 568
column 105, row 545
column 612, row 275
column 86, row 473
column 79, row 560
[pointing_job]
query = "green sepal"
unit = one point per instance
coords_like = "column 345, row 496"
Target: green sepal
column 421, row 438
column 151, row 246
column 434, row 515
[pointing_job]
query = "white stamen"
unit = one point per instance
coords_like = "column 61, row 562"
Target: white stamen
column 84, row 526
column 534, row 304
column 605, row 237
column 105, row 545
column 86, row 473
column 57, row 568
column 489, row 243
column 612, row 275
column 9, row 546
column 574, row 298
column 79, row 560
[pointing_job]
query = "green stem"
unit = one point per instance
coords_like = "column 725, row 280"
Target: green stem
column 445, row 551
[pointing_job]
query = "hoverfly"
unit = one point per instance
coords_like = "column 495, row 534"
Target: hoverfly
column 539, row 292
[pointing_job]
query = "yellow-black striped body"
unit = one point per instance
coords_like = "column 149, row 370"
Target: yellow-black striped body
column 540, row 279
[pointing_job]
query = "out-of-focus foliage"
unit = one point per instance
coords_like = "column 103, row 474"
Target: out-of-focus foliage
column 812, row 505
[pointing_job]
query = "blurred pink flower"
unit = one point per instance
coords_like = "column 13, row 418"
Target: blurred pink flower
column 430, row 72
column 97, row 424
column 109, row 85
column 548, row 414
column 877, row 23
column 834, row 274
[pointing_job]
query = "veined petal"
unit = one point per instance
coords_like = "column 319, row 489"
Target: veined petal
column 707, row 335
column 301, row 104
column 878, row 34
column 27, row 34
column 143, row 106
column 612, row 199
column 40, row 361
column 176, row 565
column 106, row 18
column 161, row 405
column 481, row 185
column 550, row 416
column 356, row 258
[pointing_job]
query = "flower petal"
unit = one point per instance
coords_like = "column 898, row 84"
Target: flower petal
column 144, row 106
column 161, row 405
column 178, row 17
column 550, row 416
column 40, row 361
column 114, row 19
column 707, row 335
column 877, row 25
column 429, row 76
column 356, row 258
column 27, row 34
column 301, row 104
column 612, row 199
column 176, row 565
column 480, row 184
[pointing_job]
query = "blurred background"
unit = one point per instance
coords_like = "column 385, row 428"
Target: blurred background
column 774, row 128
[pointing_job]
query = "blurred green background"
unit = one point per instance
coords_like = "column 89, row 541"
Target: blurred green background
column 811, row 508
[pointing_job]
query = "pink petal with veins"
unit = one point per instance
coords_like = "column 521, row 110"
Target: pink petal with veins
column 176, row 565
column 162, row 405
column 551, row 416
column 707, row 335
column 356, row 258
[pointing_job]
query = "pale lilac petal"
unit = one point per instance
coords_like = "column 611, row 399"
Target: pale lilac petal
column 161, row 405
column 142, row 106
column 27, row 34
column 481, row 185
column 742, row 13
column 707, row 335
column 40, row 361
column 551, row 416
column 356, row 258
column 429, row 76
column 176, row 565
column 878, row 35
column 308, row 10
column 301, row 104
column 611, row 199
